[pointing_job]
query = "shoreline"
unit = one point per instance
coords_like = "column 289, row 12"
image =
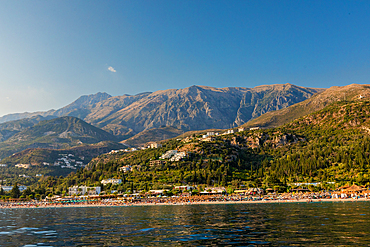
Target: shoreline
column 140, row 204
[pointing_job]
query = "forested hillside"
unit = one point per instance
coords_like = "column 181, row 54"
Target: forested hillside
column 331, row 145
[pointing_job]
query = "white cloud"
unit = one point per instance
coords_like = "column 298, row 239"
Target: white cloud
column 111, row 69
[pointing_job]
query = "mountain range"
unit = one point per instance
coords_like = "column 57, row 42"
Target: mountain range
column 192, row 108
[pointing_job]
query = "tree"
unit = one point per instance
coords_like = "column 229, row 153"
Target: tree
column 132, row 187
column 15, row 192
column 27, row 191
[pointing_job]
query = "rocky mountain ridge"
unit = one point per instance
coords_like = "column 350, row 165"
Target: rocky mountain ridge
column 192, row 108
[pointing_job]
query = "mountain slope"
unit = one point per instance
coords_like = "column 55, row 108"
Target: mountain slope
column 315, row 103
column 11, row 128
column 200, row 107
column 81, row 107
column 154, row 135
column 64, row 132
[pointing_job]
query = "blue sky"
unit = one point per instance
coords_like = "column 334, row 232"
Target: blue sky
column 52, row 52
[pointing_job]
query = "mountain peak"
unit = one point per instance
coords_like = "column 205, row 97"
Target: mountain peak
column 90, row 99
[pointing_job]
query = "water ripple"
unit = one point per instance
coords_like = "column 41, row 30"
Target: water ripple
column 329, row 224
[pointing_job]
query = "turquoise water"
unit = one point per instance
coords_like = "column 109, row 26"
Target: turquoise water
column 289, row 224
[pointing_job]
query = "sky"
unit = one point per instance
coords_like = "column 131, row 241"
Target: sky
column 52, row 52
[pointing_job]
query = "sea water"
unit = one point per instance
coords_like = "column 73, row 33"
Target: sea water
column 272, row 224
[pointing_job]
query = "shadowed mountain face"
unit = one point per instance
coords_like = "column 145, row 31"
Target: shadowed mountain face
column 193, row 108
column 11, row 128
column 57, row 133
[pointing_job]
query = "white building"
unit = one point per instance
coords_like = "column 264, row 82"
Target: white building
column 3, row 165
column 23, row 166
column 168, row 154
column 125, row 168
column 82, row 190
column 231, row 131
column 209, row 139
column 184, row 187
column 178, row 156
column 155, row 145
column 213, row 190
column 111, row 181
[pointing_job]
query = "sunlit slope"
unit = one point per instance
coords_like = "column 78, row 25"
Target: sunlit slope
column 315, row 103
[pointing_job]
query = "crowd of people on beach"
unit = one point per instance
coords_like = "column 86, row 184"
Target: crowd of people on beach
column 186, row 200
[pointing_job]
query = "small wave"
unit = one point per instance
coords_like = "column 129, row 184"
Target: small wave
column 45, row 232
column 146, row 229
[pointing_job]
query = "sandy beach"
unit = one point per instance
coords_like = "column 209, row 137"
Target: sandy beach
column 168, row 201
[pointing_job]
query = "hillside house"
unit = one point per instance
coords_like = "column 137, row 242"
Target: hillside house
column 125, row 168
column 111, row 181
column 209, row 139
column 231, row 131
column 178, row 156
column 25, row 166
column 154, row 145
column 157, row 162
column 168, row 154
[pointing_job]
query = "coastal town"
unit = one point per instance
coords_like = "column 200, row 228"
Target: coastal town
column 187, row 195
